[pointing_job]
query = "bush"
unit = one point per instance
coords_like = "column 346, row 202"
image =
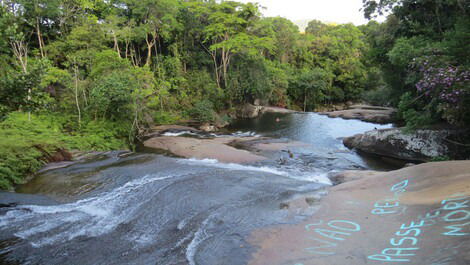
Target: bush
column 415, row 114
column 203, row 111
column 440, row 158
column 111, row 96
column 311, row 87
column 380, row 96
column 164, row 117
column 23, row 143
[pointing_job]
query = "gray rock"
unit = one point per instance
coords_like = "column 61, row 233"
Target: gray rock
column 421, row 145
column 249, row 111
column 252, row 111
column 268, row 109
column 206, row 127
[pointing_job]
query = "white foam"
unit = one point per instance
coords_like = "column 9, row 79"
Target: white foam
column 236, row 134
column 184, row 239
column 179, row 133
column 199, row 237
column 319, row 178
column 232, row 166
column 245, row 134
column 89, row 217
column 182, row 224
column 296, row 174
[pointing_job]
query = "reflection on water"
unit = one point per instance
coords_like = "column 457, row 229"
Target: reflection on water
column 324, row 134
column 312, row 128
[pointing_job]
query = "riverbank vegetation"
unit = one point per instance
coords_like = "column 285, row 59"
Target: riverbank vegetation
column 424, row 61
column 92, row 74
column 26, row 143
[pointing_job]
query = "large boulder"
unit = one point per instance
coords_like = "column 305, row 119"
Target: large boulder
column 249, row 111
column 269, row 109
column 421, row 145
column 207, row 127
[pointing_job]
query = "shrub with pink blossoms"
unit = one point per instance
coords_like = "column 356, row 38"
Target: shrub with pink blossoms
column 447, row 85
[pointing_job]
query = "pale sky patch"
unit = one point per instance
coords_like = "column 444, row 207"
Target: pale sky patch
column 328, row 11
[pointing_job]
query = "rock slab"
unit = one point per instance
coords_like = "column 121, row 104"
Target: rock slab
column 375, row 114
column 421, row 145
column 416, row 215
column 249, row 111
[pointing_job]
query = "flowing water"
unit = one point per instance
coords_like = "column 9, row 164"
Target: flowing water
column 147, row 208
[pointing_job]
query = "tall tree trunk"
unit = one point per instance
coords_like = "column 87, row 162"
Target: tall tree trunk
column 224, row 67
column 76, row 97
column 20, row 50
column 40, row 39
column 305, row 100
column 438, row 18
column 116, row 44
column 149, row 54
column 127, row 48
column 213, row 54
column 133, row 55
column 150, row 44
column 225, row 60
column 216, row 68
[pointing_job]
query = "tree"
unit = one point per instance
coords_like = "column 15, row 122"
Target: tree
column 154, row 21
column 283, row 35
column 339, row 50
column 227, row 34
column 316, row 27
column 38, row 15
column 310, row 87
column 417, row 35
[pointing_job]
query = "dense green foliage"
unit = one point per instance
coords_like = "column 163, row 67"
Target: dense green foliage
column 122, row 59
column 24, row 143
column 132, row 63
column 122, row 65
column 422, row 51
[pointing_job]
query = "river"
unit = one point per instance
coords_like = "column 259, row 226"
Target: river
column 147, row 208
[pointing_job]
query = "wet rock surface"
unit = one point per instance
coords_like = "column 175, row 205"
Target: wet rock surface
column 147, row 209
column 10, row 199
column 417, row 215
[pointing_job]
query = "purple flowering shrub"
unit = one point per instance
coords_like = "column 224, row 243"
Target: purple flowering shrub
column 446, row 85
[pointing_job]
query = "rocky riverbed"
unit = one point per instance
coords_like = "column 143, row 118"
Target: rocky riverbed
column 260, row 193
column 188, row 142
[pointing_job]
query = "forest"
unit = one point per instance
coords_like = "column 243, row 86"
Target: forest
column 94, row 74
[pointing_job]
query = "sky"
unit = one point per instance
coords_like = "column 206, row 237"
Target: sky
column 338, row 11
